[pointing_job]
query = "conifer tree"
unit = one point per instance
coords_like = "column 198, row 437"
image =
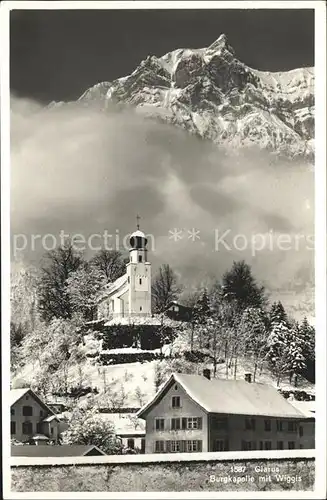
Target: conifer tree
column 239, row 285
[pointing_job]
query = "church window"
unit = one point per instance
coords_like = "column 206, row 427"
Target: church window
column 128, row 279
column 140, row 281
column 140, row 258
column 140, row 308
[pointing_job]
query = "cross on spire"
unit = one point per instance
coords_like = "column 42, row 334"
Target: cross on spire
column 138, row 221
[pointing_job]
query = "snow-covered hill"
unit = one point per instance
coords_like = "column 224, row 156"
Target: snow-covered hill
column 209, row 92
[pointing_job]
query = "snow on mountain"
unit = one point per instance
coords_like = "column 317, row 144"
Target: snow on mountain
column 210, row 93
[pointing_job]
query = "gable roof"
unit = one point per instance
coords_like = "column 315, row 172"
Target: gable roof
column 17, row 394
column 228, row 396
column 114, row 287
column 64, row 450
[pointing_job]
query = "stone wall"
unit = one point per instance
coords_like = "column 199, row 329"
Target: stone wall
column 141, row 474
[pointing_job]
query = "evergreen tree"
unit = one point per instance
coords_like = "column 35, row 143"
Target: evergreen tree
column 277, row 313
column 277, row 349
column 307, row 333
column 239, row 286
column 295, row 357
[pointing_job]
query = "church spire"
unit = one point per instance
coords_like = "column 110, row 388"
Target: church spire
column 138, row 222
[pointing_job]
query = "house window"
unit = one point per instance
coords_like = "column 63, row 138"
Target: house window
column 249, row 445
column 291, row 445
column 250, row 424
column 175, row 446
column 41, row 413
column 27, row 428
column 291, row 426
column 12, row 427
column 279, row 424
column 128, row 279
column 176, row 402
column 131, row 443
column 301, row 431
column 280, row 445
column 194, row 423
column 140, row 281
column 51, row 429
column 220, row 423
column 39, row 427
column 160, row 424
column 267, row 445
column 220, row 445
column 27, row 411
column 176, row 387
column 268, row 425
column 159, row 447
column 175, row 424
column 193, row 446
column 12, row 411
column 140, row 258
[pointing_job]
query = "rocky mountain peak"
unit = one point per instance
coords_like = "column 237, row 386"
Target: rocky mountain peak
column 210, row 93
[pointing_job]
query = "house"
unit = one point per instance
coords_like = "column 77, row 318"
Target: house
column 307, row 427
column 192, row 413
column 129, row 429
column 178, row 312
column 129, row 296
column 65, row 450
column 31, row 419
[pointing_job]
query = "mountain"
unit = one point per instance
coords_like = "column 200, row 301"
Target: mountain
column 210, row 93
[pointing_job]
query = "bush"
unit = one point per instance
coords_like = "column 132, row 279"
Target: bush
column 116, row 359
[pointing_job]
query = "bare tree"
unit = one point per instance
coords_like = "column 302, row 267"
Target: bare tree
column 110, row 263
column 58, row 264
column 165, row 288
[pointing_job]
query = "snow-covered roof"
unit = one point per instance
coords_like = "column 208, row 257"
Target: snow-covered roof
column 16, row 394
column 50, row 418
column 308, row 408
column 229, row 396
column 134, row 320
column 111, row 288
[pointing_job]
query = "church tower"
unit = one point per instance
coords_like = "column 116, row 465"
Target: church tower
column 139, row 275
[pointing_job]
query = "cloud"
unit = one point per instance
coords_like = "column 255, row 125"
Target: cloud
column 82, row 170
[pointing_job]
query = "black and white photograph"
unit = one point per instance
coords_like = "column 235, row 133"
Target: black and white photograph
column 163, row 249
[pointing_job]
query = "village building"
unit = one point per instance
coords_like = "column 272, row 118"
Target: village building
column 129, row 429
column 128, row 299
column 31, row 420
column 193, row 413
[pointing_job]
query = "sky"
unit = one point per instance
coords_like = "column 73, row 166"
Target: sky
column 56, row 55
column 82, row 171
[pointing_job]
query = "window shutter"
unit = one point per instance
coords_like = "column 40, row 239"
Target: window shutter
column 200, row 423
column 172, row 424
column 182, row 446
column 226, row 445
column 184, row 423
column 199, row 445
column 168, row 446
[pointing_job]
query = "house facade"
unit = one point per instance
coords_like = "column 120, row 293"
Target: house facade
column 192, row 414
column 31, row 419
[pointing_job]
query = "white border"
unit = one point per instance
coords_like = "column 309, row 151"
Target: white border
column 320, row 222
